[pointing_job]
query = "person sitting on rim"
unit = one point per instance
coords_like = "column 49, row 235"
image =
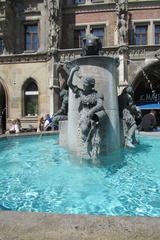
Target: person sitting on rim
column 148, row 122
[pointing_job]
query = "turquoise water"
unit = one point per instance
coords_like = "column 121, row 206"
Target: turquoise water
column 38, row 175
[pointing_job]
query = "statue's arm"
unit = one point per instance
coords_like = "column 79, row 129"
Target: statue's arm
column 70, row 78
column 97, row 107
column 59, row 112
column 130, row 101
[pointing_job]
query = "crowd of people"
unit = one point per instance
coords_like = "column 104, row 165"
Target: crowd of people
column 15, row 126
column 148, row 123
column 43, row 124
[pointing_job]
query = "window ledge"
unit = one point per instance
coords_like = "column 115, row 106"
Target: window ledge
column 97, row 1
column 31, row 116
column 30, row 51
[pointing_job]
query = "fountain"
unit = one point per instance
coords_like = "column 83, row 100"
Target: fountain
column 98, row 121
column 92, row 128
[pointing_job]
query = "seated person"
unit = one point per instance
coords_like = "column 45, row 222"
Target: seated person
column 12, row 127
column 17, row 125
column 148, row 122
column 47, row 121
column 40, row 124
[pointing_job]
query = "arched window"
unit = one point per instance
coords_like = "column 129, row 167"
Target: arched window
column 30, row 90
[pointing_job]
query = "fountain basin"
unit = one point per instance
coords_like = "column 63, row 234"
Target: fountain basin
column 52, row 179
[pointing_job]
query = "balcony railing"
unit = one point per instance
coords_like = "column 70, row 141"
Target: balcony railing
column 140, row 52
column 135, row 52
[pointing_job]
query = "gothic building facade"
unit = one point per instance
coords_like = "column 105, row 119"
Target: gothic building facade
column 26, row 66
column 38, row 37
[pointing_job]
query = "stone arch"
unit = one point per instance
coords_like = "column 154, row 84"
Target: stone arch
column 28, row 80
column 146, row 83
column 30, row 98
column 3, row 106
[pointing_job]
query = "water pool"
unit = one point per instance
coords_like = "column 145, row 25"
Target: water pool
column 38, row 175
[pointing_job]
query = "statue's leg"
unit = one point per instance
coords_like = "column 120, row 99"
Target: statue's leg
column 125, row 131
column 95, row 142
column 134, row 140
column 125, row 125
column 56, row 120
column 85, row 124
column 131, row 132
column 129, row 126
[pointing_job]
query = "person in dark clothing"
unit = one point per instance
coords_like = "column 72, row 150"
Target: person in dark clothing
column 148, row 121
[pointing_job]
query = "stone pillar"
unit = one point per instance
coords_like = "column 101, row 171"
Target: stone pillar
column 54, row 84
column 104, row 71
column 123, row 68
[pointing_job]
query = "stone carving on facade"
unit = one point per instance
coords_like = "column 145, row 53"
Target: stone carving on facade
column 26, row 7
column 122, row 6
column 137, row 52
column 24, row 58
column 122, row 13
column 128, row 112
column 122, row 30
column 91, row 112
column 54, row 7
column 31, row 8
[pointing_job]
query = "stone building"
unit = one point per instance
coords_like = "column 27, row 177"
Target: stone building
column 138, row 64
column 37, row 37
column 26, row 65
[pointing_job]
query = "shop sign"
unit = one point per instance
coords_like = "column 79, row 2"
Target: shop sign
column 150, row 97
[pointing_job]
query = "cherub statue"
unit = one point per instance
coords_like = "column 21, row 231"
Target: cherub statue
column 122, row 6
